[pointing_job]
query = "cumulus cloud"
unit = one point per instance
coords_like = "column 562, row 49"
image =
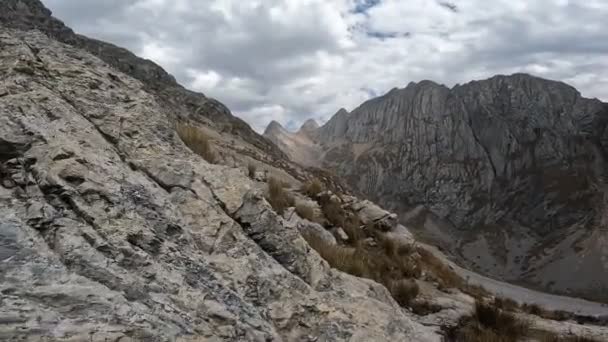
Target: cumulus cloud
column 289, row 60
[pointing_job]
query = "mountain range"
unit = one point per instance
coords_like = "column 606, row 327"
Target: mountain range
column 134, row 209
column 506, row 174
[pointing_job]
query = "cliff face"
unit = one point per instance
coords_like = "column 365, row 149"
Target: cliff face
column 111, row 228
column 508, row 157
column 177, row 101
column 504, row 142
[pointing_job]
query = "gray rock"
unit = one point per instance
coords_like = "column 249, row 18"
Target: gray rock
column 516, row 154
column 117, row 231
column 306, row 227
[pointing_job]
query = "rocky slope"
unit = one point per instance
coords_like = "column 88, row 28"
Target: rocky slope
column 113, row 229
column 506, row 173
column 299, row 146
column 175, row 99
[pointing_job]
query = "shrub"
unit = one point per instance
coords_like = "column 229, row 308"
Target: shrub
column 506, row 304
column 313, row 188
column 334, row 213
column 276, row 195
column 305, row 212
column 371, row 264
column 490, row 324
column 446, row 277
column 551, row 337
column 342, row 258
column 389, row 245
column 533, row 309
column 251, row 169
column 404, row 291
column 197, row 141
column 352, row 228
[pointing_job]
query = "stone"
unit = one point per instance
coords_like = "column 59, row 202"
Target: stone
column 482, row 157
column 306, row 227
column 131, row 236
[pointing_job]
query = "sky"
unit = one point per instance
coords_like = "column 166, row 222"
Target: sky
column 291, row 60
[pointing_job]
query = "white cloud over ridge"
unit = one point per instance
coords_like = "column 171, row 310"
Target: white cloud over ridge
column 290, row 60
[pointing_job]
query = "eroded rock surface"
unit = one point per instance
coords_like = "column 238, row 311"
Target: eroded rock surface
column 513, row 169
column 112, row 229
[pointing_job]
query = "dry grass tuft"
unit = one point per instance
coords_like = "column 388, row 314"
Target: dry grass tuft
column 334, row 213
column 404, row 291
column 352, row 228
column 490, row 324
column 551, row 337
column 446, row 277
column 533, row 309
column 276, row 195
column 305, row 212
column 374, row 264
column 313, row 188
column 251, row 169
column 197, row 141
column 506, row 304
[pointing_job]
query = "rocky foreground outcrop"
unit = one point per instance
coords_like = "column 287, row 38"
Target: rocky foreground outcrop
column 509, row 174
column 112, row 229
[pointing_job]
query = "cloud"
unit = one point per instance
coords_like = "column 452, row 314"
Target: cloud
column 290, row 60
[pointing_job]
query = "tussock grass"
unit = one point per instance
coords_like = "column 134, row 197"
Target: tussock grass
column 313, row 188
column 251, row 169
column 352, row 228
column 197, row 141
column 551, row 337
column 506, row 304
column 404, row 291
column 334, row 213
column 305, row 212
column 277, row 196
column 446, row 277
column 372, row 263
column 489, row 324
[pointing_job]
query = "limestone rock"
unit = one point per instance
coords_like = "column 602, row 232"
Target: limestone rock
column 112, row 229
column 509, row 164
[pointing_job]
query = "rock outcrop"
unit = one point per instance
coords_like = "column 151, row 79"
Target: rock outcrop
column 505, row 162
column 112, row 229
column 299, row 146
column 175, row 99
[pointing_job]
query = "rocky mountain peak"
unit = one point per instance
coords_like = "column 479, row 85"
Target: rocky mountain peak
column 309, row 126
column 274, row 127
column 487, row 153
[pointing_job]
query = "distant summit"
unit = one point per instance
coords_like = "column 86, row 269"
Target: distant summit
column 309, row 126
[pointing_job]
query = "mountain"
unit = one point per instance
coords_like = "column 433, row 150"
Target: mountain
column 112, row 229
column 508, row 174
column 135, row 210
column 300, row 146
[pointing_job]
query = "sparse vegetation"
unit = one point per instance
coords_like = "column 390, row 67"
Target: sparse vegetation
column 505, row 304
column 352, row 228
column 197, row 141
column 404, row 291
column 533, row 309
column 551, row 337
column 334, row 213
column 489, row 324
column 372, row 263
column 446, row 277
column 251, row 169
column 306, row 212
column 276, row 195
column 313, row 188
